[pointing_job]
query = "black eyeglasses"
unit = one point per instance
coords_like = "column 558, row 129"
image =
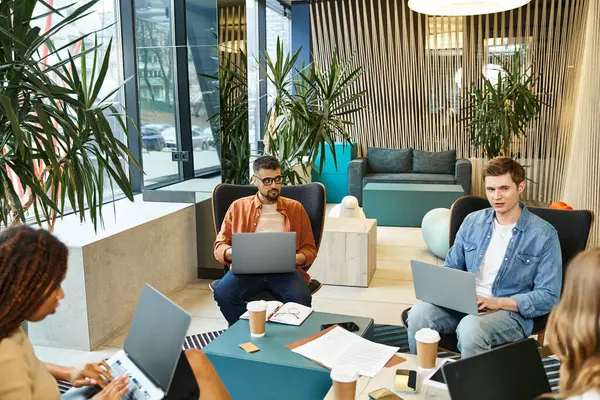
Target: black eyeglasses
column 269, row 181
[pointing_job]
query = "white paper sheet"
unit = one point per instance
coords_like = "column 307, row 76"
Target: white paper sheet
column 340, row 347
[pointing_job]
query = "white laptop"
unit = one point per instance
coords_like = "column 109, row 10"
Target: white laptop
column 151, row 350
column 445, row 287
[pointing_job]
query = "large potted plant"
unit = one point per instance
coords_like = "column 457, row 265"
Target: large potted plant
column 58, row 145
column 309, row 111
column 500, row 109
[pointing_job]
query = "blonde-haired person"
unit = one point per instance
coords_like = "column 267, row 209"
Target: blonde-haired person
column 573, row 331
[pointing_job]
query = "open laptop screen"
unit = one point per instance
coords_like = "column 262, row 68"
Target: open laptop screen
column 156, row 336
column 514, row 371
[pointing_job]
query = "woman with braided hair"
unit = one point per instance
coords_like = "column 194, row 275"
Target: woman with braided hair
column 33, row 264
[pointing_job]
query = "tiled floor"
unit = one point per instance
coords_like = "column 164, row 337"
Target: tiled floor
column 390, row 292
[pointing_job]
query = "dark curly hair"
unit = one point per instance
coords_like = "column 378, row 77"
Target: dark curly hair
column 32, row 265
column 265, row 162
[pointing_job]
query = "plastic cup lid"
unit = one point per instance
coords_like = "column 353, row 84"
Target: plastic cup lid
column 255, row 306
column 344, row 374
column 427, row 335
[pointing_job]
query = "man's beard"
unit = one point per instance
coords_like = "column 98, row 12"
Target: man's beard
column 270, row 196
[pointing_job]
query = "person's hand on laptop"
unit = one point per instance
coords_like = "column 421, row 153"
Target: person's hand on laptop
column 90, row 374
column 115, row 390
column 487, row 304
column 496, row 303
column 228, row 255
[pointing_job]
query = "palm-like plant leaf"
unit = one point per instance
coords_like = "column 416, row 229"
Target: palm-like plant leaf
column 58, row 144
column 232, row 120
column 313, row 115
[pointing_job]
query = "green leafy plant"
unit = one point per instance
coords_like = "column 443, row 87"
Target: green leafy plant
column 58, row 146
column 498, row 113
column 232, row 121
column 309, row 111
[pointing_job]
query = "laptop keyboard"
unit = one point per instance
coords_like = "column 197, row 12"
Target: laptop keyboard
column 136, row 391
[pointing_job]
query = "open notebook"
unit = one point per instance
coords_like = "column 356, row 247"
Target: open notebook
column 288, row 313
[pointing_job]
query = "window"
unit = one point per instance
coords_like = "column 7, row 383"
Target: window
column 103, row 20
column 279, row 26
column 157, row 85
column 203, row 63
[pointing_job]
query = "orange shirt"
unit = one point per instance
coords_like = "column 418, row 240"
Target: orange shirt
column 243, row 215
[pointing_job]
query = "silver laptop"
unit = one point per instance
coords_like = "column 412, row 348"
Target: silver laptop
column 263, row 252
column 445, row 287
column 151, row 350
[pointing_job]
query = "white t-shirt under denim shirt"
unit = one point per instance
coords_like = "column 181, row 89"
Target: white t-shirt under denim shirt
column 270, row 219
column 494, row 256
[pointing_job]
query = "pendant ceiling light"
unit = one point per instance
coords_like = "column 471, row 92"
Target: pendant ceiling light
column 464, row 7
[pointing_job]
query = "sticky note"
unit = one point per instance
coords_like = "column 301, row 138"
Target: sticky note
column 249, row 347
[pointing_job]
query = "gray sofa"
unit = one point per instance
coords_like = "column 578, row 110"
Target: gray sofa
column 407, row 166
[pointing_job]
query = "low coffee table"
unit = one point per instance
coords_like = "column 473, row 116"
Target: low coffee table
column 275, row 372
column 405, row 204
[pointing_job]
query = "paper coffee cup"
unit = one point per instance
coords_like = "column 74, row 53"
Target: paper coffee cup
column 257, row 313
column 344, row 383
column 427, row 346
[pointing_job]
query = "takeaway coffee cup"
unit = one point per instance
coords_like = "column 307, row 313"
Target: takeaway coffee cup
column 257, row 313
column 427, row 346
column 344, row 383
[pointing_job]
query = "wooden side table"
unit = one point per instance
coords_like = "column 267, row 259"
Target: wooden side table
column 348, row 252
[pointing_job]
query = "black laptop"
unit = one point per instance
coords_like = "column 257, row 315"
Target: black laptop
column 514, row 372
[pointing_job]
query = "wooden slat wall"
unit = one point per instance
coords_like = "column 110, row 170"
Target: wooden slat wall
column 410, row 66
column 232, row 32
column 582, row 175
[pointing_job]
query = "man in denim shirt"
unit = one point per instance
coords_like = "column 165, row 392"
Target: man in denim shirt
column 516, row 259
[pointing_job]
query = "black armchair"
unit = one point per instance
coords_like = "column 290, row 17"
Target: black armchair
column 573, row 227
column 312, row 196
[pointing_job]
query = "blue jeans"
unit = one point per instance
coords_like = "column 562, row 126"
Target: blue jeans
column 476, row 334
column 234, row 290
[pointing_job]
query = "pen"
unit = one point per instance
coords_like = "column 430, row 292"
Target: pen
column 273, row 313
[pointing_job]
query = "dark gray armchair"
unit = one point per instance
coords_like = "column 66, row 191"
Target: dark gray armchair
column 408, row 166
column 312, row 196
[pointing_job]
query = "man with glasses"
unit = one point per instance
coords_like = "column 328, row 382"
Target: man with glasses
column 266, row 211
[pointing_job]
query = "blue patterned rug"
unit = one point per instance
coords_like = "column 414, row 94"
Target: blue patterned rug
column 390, row 335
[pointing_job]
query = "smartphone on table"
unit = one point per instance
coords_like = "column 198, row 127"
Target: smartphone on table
column 383, row 394
column 405, row 381
column 349, row 326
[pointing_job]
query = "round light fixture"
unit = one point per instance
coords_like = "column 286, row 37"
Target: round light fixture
column 463, row 7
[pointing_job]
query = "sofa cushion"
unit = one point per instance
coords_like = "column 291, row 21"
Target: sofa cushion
column 410, row 178
column 441, row 162
column 381, row 160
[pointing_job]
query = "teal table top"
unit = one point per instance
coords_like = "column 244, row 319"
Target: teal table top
column 413, row 187
column 272, row 345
